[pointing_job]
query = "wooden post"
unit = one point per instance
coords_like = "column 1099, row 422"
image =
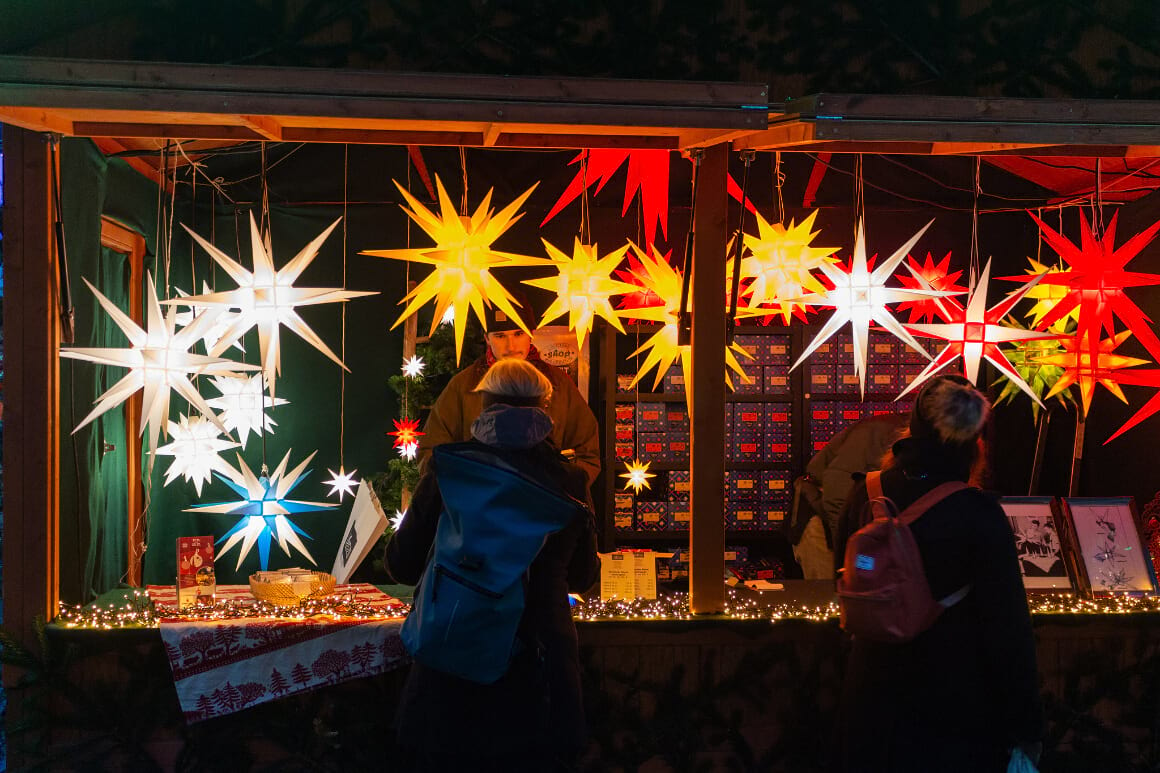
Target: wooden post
column 31, row 389
column 707, row 388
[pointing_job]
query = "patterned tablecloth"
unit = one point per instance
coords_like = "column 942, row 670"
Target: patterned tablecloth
column 220, row 667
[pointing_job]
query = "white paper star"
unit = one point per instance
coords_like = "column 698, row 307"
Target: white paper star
column 264, row 508
column 397, row 519
column 195, row 448
column 974, row 333
column 861, row 296
column 267, row 299
column 243, row 405
column 413, row 366
column 223, row 319
column 159, row 362
column 409, row 450
column 341, row 482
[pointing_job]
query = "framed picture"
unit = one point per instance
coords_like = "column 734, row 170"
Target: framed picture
column 1112, row 558
column 1043, row 557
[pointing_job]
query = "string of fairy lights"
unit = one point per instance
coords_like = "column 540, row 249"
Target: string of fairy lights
column 138, row 611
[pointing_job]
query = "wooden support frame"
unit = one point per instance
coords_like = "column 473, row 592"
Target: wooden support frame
column 707, row 386
column 131, row 244
column 32, row 388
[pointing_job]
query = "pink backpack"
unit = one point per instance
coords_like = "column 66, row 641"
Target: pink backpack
column 883, row 591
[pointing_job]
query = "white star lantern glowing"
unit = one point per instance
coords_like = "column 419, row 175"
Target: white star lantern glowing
column 195, row 448
column 341, row 482
column 413, row 366
column 263, row 508
column 860, row 296
column 223, row 319
column 243, row 404
column 462, row 259
column 267, row 298
column 397, row 519
column 974, row 333
column 159, row 362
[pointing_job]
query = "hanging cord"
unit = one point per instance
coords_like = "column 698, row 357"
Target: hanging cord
column 66, row 310
column 1098, row 202
column 193, row 225
column 407, row 287
column 342, row 342
column 684, row 318
column 171, row 176
column 974, row 265
column 463, row 166
column 779, row 183
column 1039, row 238
column 859, row 198
column 268, row 239
column 585, row 220
column 739, row 248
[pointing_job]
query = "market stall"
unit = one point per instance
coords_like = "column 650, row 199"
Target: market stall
column 383, row 164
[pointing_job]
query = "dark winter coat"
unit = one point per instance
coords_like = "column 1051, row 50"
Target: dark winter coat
column 962, row 693
column 538, row 702
column 573, row 424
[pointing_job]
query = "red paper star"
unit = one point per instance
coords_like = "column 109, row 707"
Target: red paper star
column 1081, row 367
column 1150, row 377
column 406, row 431
column 974, row 333
column 1096, row 281
column 937, row 277
column 636, row 274
column 648, row 171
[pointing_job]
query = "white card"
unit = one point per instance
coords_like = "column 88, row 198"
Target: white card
column 367, row 522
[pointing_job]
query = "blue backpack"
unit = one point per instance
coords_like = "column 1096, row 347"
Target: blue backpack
column 470, row 599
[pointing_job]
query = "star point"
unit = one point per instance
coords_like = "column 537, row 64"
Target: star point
column 341, row 482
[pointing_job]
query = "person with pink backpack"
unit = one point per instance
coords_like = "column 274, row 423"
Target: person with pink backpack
column 941, row 674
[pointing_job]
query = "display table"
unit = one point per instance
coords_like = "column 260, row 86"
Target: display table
column 752, row 693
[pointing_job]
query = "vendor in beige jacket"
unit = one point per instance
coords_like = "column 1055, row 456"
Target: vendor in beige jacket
column 574, row 429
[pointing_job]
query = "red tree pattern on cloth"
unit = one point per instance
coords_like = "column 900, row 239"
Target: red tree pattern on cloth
column 363, row 655
column 251, row 691
column 300, row 674
column 195, row 646
column 278, row 684
column 331, row 665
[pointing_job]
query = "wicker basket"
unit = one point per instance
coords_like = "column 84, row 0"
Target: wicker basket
column 287, row 594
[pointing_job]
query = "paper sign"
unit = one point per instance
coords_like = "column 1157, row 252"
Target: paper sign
column 617, row 573
column 366, row 524
column 644, row 574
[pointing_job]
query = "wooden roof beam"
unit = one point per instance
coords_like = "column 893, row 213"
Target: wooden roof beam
column 36, row 119
column 166, row 131
column 263, row 125
column 111, row 147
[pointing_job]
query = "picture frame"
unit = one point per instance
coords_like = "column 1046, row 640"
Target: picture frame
column 1111, row 557
column 1046, row 557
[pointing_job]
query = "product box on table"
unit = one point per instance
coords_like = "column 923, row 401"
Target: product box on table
column 196, row 582
column 624, row 433
column 883, row 349
column 747, row 419
column 908, row 372
column 772, row 516
column 680, row 487
column 749, row 384
column 777, row 420
column 623, row 511
column 883, row 377
column 677, row 417
column 624, row 382
column 652, row 447
column 650, row 417
column 826, row 352
column 775, row 484
column 754, row 345
column 625, row 452
column 626, row 413
column 847, row 378
column 674, row 381
column 652, row 516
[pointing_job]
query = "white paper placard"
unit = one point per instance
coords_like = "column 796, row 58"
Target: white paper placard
column 367, row 522
column 617, row 575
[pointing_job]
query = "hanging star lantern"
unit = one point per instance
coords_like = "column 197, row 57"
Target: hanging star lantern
column 929, row 275
column 223, row 320
column 409, row 450
column 267, row 299
column 641, row 297
column 263, row 508
column 1025, row 356
column 413, row 366
column 397, row 519
column 974, row 333
column 462, row 261
column 406, row 431
column 779, row 265
column 1095, row 282
column 195, row 449
column 637, row 475
column 341, row 482
column 1045, row 294
column 243, row 404
column 1141, row 377
column 860, row 296
column 648, row 172
column 1084, row 369
column 583, row 286
column 159, row 362
column 660, row 278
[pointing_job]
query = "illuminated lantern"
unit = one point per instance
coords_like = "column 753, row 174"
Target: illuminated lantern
column 648, row 172
column 637, row 475
column 341, row 482
column 195, row 448
column 780, row 262
column 462, row 259
column 413, row 367
column 1082, row 367
column 243, row 404
column 406, row 431
column 929, row 276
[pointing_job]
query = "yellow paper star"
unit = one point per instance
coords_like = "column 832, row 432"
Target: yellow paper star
column 267, row 299
column 637, row 475
column 657, row 276
column 780, row 263
column 583, row 286
column 463, row 259
column 1046, row 296
column 1082, row 368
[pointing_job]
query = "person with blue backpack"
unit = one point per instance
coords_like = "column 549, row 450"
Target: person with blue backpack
column 941, row 674
column 496, row 536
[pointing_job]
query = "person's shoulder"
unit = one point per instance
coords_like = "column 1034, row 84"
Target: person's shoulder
column 469, row 376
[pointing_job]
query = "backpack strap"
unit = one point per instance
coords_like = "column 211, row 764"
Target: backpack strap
column 928, row 500
column 874, row 484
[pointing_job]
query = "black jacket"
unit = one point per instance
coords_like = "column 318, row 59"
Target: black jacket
column 962, row 693
column 538, row 700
